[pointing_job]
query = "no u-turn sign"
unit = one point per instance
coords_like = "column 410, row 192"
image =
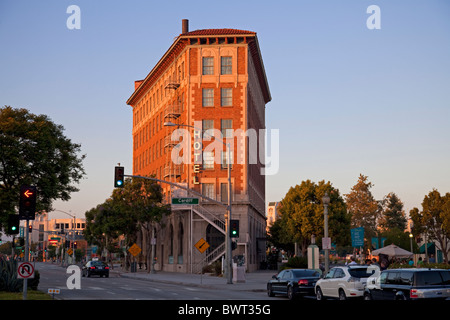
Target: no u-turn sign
column 25, row 271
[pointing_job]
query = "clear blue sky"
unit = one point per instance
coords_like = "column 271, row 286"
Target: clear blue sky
column 347, row 100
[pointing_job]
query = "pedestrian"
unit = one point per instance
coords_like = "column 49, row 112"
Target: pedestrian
column 352, row 261
column 420, row 262
column 411, row 262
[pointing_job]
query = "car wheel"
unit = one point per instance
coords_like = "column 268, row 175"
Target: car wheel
column 342, row 295
column 319, row 295
column 290, row 293
column 269, row 291
column 400, row 296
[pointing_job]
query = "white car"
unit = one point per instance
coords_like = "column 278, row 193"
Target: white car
column 344, row 282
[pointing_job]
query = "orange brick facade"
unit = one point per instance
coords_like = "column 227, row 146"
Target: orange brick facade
column 229, row 63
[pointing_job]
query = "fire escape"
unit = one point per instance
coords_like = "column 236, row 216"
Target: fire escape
column 172, row 172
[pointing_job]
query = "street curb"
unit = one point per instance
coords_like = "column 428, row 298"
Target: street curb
column 199, row 285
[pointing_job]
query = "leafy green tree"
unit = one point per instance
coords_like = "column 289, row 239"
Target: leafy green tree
column 302, row 213
column 435, row 217
column 392, row 214
column 137, row 207
column 363, row 207
column 277, row 236
column 34, row 151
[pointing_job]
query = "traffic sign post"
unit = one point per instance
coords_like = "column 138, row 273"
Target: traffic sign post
column 53, row 292
column 357, row 237
column 202, row 245
column 25, row 270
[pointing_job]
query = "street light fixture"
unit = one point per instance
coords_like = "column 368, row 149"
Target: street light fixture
column 228, row 267
column 410, row 241
column 326, row 202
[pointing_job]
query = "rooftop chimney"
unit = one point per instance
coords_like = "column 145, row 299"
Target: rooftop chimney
column 185, row 26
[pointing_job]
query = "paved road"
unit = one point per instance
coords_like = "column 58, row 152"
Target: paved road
column 116, row 287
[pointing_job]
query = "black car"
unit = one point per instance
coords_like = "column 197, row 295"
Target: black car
column 95, row 268
column 293, row 283
column 405, row 284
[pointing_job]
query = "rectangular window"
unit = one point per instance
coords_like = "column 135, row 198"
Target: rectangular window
column 208, row 97
column 208, row 65
column 226, row 97
column 224, row 192
column 225, row 65
column 208, row 190
column 208, row 160
column 226, row 127
column 207, row 126
column 224, row 162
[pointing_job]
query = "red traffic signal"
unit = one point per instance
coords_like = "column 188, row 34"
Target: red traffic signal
column 27, row 204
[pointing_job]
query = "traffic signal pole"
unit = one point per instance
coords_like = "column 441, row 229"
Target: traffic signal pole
column 27, row 253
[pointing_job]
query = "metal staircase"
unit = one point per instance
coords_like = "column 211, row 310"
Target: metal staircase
column 218, row 222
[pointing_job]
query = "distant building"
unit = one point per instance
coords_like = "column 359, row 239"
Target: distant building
column 46, row 232
column 272, row 213
column 209, row 79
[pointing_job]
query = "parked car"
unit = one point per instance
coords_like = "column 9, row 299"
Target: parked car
column 344, row 282
column 409, row 283
column 293, row 283
column 95, row 268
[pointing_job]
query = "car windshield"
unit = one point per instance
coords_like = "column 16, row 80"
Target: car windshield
column 305, row 273
column 96, row 263
column 360, row 272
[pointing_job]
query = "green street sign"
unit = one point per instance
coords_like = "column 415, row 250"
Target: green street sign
column 184, row 201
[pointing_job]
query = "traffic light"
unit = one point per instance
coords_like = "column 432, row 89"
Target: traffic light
column 118, row 177
column 13, row 224
column 27, row 204
column 234, row 228
column 30, row 228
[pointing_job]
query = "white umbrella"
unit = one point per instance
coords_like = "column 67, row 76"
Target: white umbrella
column 393, row 251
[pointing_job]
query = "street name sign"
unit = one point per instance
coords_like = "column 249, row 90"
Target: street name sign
column 184, row 200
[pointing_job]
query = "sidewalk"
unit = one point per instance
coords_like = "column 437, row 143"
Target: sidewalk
column 254, row 281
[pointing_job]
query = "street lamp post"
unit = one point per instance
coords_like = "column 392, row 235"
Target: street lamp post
column 326, row 202
column 228, row 266
column 410, row 241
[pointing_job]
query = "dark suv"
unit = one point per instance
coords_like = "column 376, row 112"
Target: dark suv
column 403, row 284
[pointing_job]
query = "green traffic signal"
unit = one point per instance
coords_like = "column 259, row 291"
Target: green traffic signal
column 118, row 177
column 234, row 228
column 13, row 224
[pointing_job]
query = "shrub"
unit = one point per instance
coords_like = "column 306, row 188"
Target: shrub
column 8, row 277
column 297, row 262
